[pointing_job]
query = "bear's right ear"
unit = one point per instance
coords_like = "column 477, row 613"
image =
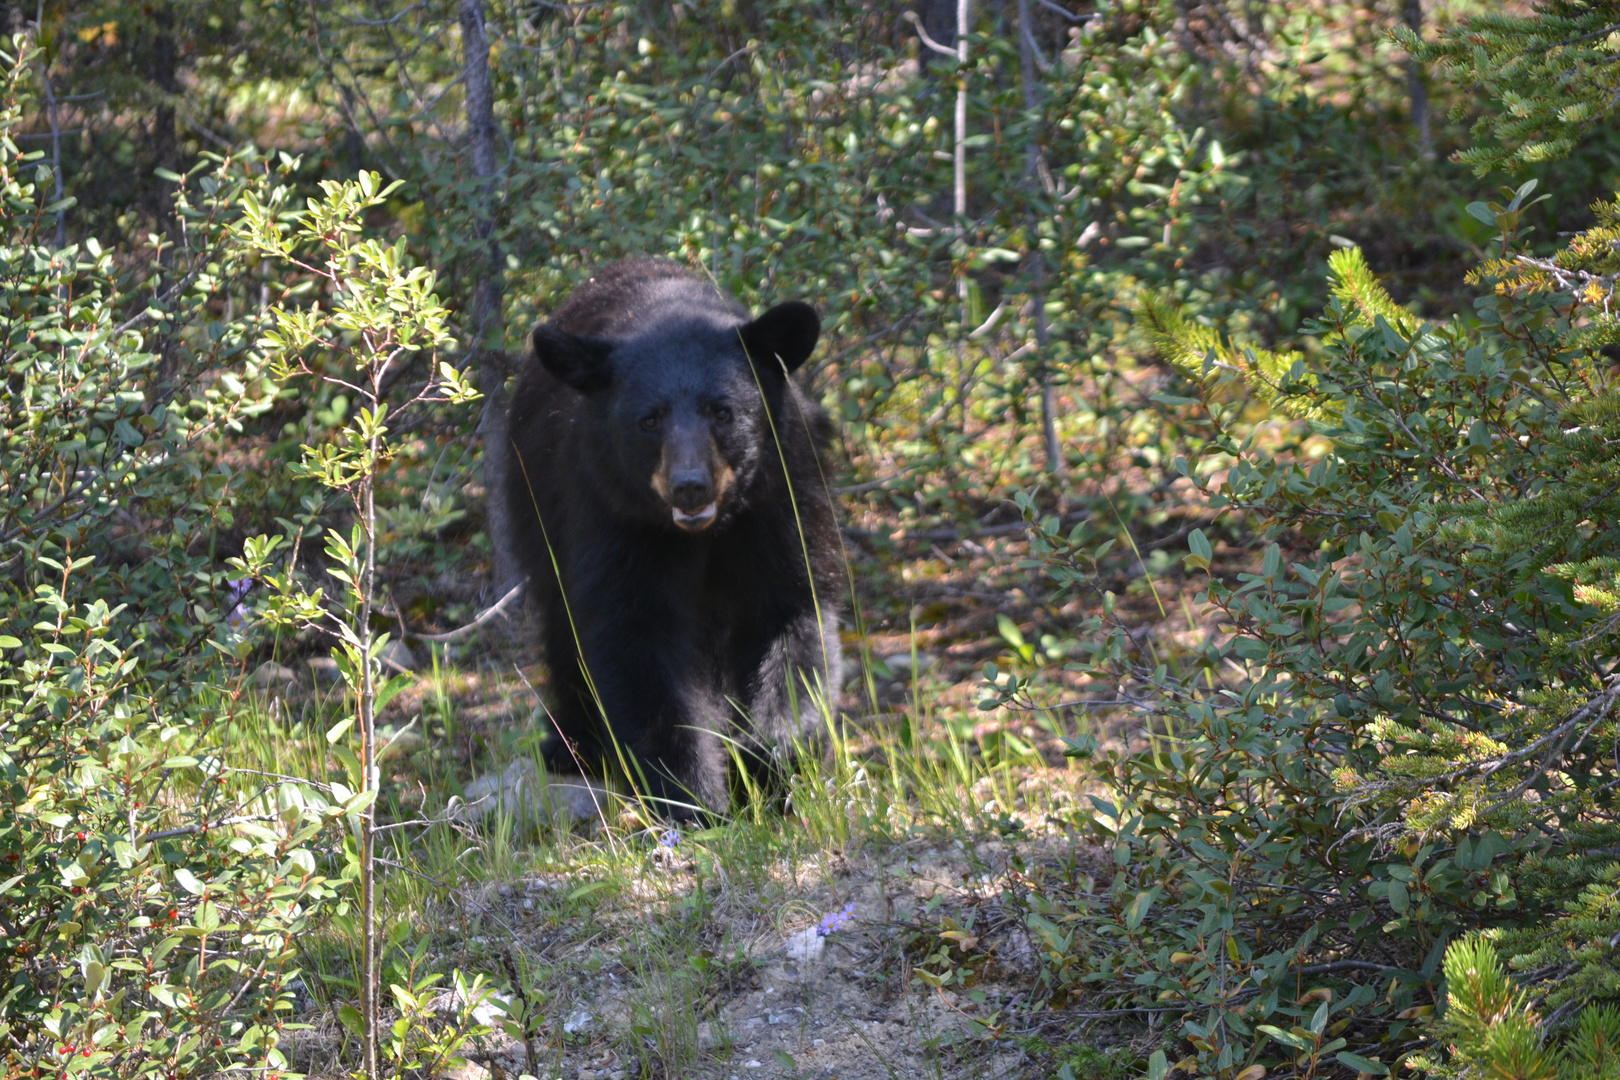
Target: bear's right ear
column 580, row 362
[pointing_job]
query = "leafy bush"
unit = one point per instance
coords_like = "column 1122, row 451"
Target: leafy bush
column 149, row 901
column 1420, row 742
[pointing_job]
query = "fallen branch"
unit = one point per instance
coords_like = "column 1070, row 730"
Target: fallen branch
column 939, row 536
column 498, row 608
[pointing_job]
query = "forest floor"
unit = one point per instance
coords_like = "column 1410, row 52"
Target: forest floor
column 873, row 929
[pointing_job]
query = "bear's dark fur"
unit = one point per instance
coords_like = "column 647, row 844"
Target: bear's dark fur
column 665, row 465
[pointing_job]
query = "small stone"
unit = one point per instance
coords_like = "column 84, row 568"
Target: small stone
column 900, row 663
column 272, row 676
column 397, row 656
column 577, row 1022
column 806, row 946
column 470, row 1071
column 752, row 1065
column 488, row 1012
column 523, row 790
column 325, row 670
column 705, row 1037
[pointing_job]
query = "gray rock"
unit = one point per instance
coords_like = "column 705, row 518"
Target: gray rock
column 272, row 676
column 525, row 791
column 900, row 663
column 397, row 657
column 806, row 946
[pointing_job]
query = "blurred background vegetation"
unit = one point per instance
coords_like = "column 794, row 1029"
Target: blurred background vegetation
column 1073, row 260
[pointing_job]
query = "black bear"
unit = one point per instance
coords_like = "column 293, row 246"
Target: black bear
column 677, row 531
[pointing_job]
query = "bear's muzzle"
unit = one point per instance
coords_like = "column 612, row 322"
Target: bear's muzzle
column 692, row 477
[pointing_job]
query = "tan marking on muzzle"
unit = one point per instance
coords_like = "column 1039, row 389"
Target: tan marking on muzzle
column 660, row 478
column 723, row 476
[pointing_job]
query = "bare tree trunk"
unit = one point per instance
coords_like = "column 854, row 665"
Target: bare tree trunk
column 162, row 63
column 163, row 69
column 1415, row 86
column 964, row 17
column 1032, row 167
column 367, row 704
column 486, row 323
column 52, row 115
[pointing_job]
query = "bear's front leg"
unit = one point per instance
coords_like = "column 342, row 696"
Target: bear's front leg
column 794, row 685
column 660, row 717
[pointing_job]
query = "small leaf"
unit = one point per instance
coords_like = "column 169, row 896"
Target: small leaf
column 1253, row 1072
column 1361, row 1064
column 1010, row 632
column 389, row 689
column 188, row 881
column 1140, row 906
column 1199, row 545
column 586, row 890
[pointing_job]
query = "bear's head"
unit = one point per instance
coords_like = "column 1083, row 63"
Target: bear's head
column 688, row 402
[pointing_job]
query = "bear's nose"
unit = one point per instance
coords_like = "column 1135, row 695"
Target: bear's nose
column 691, row 489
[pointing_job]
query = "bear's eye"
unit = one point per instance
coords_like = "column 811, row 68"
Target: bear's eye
column 721, row 414
column 651, row 422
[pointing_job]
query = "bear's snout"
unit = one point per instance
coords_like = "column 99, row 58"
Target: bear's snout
column 692, row 477
column 691, row 490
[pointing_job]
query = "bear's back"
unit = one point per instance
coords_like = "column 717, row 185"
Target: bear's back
column 623, row 297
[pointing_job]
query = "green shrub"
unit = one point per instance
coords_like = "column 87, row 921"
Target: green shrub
column 1421, row 739
column 149, row 900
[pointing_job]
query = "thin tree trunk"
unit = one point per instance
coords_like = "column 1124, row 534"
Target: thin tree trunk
column 486, row 324
column 369, row 1005
column 1032, row 165
column 1415, row 86
column 164, row 72
column 52, row 115
column 964, row 16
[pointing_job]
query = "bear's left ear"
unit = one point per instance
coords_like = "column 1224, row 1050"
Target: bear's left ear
column 787, row 332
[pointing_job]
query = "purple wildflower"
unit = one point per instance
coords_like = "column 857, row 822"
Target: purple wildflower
column 235, row 592
column 836, row 920
column 670, row 838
